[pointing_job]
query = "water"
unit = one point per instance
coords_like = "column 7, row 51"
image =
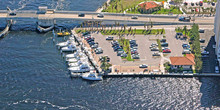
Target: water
column 33, row 75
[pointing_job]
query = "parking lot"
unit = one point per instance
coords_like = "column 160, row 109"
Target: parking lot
column 144, row 42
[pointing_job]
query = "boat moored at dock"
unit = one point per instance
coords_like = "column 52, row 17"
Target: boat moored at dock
column 92, row 76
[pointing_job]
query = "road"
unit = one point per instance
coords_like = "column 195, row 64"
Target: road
column 156, row 19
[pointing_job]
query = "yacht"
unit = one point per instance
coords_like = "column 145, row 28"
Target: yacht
column 72, row 60
column 69, row 48
column 81, row 69
column 75, row 55
column 77, row 64
column 64, row 44
column 92, row 76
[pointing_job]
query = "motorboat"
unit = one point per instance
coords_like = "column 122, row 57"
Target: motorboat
column 72, row 60
column 69, row 48
column 63, row 33
column 92, row 76
column 81, row 69
column 77, row 63
column 75, row 55
column 64, row 44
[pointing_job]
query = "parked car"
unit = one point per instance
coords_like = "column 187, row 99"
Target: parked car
column 98, row 50
column 164, row 44
column 155, row 54
column 166, row 51
column 135, row 56
column 109, row 38
column 81, row 15
column 119, row 53
column 200, row 3
column 163, row 40
column 164, row 48
column 124, row 55
column 143, row 66
column 94, row 46
column 201, row 31
column 213, row 46
column 186, row 52
column 134, row 17
column 216, row 69
column 202, row 40
column 154, row 49
column 213, row 3
column 100, row 15
column 205, row 52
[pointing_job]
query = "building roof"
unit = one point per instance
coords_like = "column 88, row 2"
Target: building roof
column 148, row 5
column 187, row 60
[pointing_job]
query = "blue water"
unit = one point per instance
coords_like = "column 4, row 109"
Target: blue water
column 33, row 74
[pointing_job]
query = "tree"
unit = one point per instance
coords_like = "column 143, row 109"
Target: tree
column 185, row 30
column 112, row 8
column 105, row 5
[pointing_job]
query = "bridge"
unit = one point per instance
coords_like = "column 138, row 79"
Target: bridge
column 142, row 18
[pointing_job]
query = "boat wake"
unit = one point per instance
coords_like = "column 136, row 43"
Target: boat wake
column 48, row 103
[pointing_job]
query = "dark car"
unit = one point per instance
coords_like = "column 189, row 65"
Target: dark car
column 91, row 43
column 12, row 13
column 202, row 40
column 81, row 15
column 163, row 40
column 213, row 3
column 201, row 31
column 164, row 44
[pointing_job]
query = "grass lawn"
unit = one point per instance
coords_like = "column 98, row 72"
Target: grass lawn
column 180, row 30
column 138, row 32
column 174, row 10
column 119, row 6
column 126, row 47
column 159, row 45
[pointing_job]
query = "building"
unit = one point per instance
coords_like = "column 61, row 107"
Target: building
column 217, row 31
column 149, row 7
column 186, row 63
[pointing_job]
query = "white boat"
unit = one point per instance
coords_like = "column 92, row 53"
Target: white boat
column 69, row 48
column 72, row 60
column 77, row 64
column 81, row 69
column 75, row 55
column 64, row 44
column 92, row 76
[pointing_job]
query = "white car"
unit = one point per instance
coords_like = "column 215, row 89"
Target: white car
column 100, row 15
column 205, row 52
column 134, row 17
column 109, row 38
column 143, row 66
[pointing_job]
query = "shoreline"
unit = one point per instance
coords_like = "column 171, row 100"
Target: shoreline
column 99, row 10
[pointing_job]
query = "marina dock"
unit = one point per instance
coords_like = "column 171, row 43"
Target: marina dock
column 161, row 75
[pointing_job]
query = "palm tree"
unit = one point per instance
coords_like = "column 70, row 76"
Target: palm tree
column 112, row 8
column 122, row 9
column 185, row 29
column 105, row 5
